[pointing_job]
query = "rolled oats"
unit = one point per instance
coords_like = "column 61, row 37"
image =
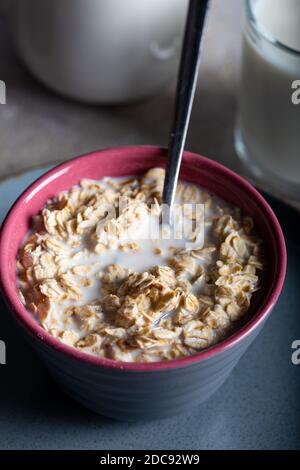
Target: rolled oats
column 100, row 290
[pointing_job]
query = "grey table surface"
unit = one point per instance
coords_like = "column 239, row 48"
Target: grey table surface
column 259, row 406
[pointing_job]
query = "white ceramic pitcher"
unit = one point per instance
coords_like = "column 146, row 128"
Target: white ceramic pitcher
column 100, row 51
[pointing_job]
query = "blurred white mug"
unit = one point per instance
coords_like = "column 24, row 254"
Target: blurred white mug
column 100, row 51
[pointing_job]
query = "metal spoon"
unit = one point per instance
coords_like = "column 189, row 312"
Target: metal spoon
column 186, row 85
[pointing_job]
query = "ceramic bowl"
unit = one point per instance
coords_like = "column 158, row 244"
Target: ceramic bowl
column 142, row 390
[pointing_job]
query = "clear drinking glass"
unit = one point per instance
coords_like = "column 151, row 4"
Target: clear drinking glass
column 267, row 135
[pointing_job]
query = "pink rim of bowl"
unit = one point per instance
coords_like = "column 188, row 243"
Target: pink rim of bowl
column 8, row 285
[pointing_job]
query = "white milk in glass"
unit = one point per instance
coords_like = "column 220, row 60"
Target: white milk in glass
column 268, row 130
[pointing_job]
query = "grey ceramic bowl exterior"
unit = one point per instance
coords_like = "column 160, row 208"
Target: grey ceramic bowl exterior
column 135, row 395
column 131, row 391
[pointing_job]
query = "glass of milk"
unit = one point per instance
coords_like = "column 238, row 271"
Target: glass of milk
column 267, row 136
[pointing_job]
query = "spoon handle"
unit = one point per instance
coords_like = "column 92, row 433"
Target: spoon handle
column 186, row 85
